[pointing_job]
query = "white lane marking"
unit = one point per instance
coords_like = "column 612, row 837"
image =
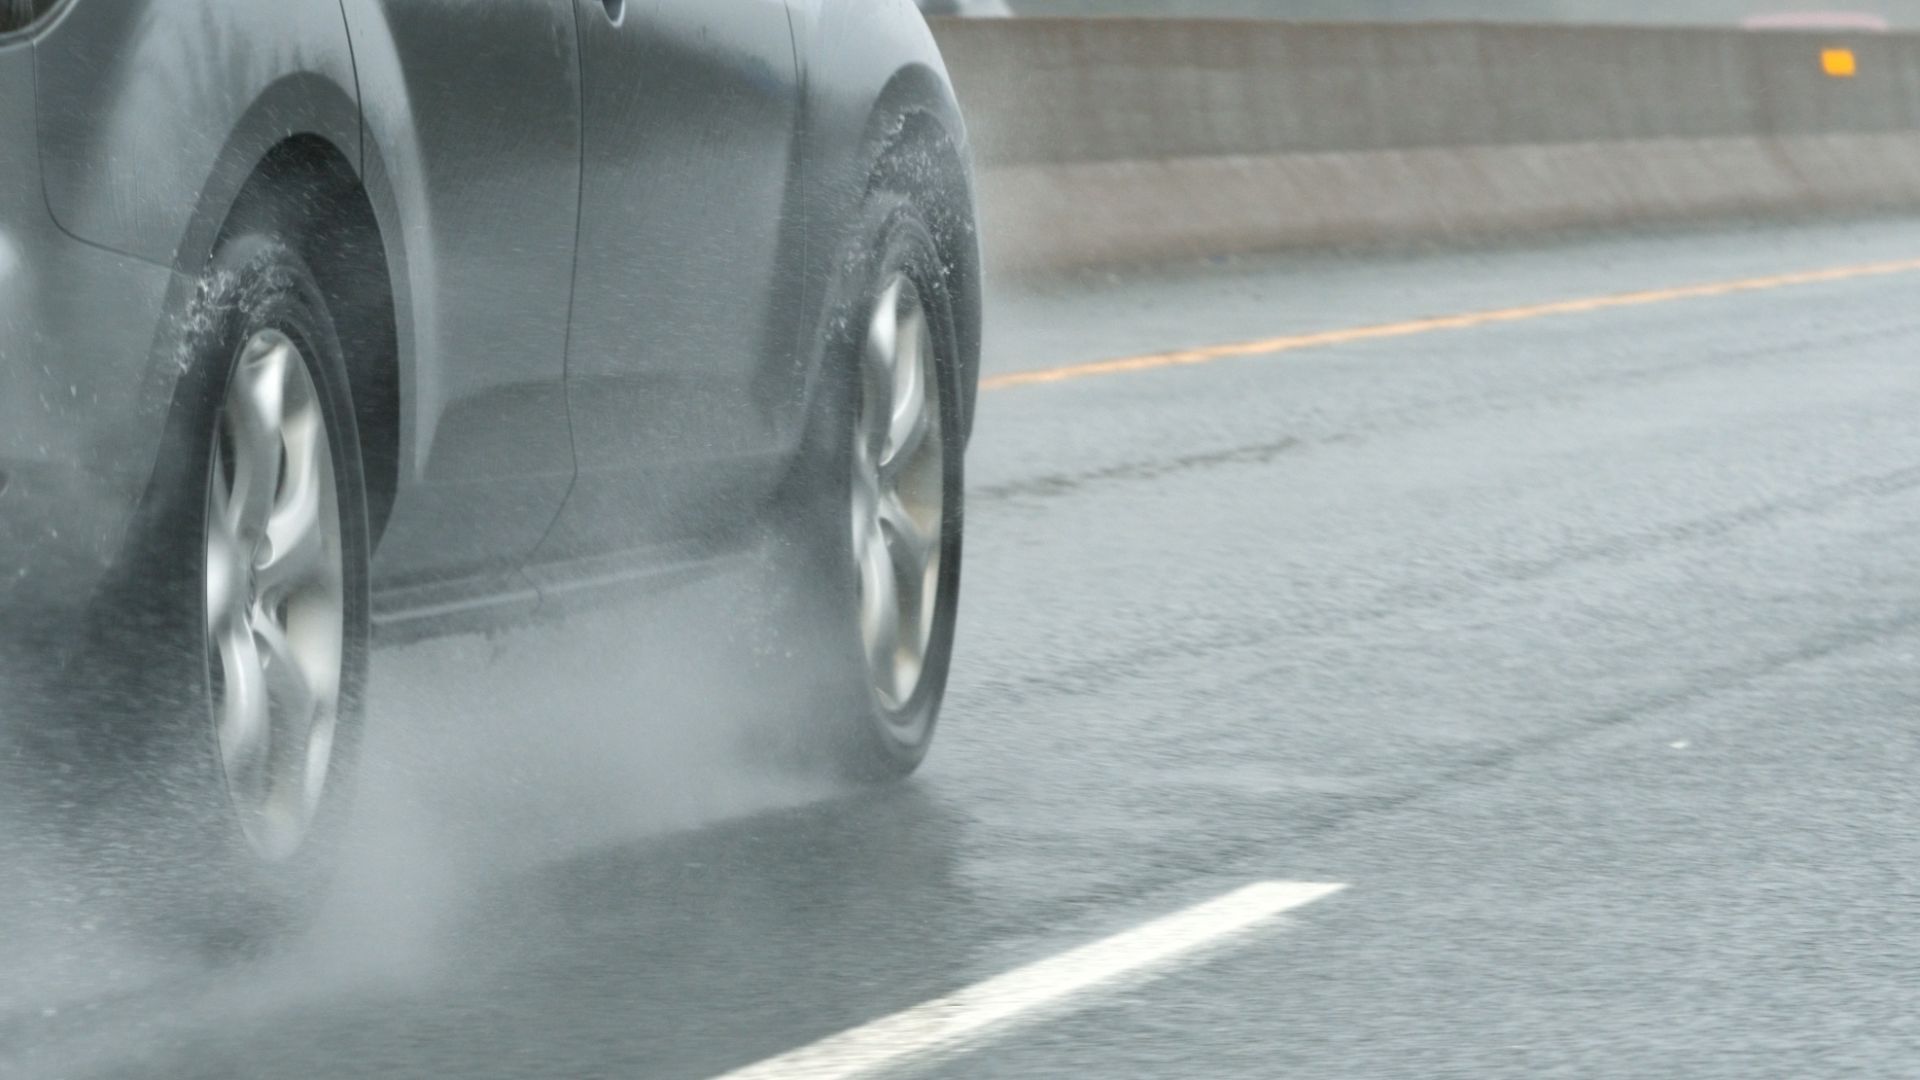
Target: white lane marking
column 946, row 1022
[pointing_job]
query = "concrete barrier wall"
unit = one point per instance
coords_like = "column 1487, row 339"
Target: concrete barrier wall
column 1107, row 140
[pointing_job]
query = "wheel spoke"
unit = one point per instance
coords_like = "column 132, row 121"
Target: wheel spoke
column 908, row 421
column 256, row 403
column 914, row 548
column 912, row 543
column 222, row 515
column 880, row 608
column 245, row 722
column 312, row 636
column 877, row 364
column 295, row 550
column 290, row 678
column 226, row 574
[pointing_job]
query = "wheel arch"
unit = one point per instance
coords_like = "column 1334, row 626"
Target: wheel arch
column 306, row 191
column 918, row 148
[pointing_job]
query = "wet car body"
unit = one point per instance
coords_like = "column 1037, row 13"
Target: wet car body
column 591, row 278
column 671, row 174
column 966, row 8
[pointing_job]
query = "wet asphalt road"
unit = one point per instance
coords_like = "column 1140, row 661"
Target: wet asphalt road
column 1582, row 648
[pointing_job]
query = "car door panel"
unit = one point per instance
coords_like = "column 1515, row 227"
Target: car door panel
column 472, row 140
column 681, row 347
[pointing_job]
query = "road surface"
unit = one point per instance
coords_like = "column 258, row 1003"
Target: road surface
column 1578, row 643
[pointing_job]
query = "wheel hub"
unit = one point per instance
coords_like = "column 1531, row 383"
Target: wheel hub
column 275, row 594
column 898, row 500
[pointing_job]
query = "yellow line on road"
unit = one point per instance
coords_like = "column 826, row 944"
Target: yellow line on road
column 1468, row 320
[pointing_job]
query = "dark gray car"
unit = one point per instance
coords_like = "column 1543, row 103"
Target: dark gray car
column 325, row 323
column 966, row 8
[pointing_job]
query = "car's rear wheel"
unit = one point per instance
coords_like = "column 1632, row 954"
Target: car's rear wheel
column 890, row 549
column 220, row 688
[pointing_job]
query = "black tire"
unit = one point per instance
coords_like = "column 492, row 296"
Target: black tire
column 865, row 738
column 146, row 793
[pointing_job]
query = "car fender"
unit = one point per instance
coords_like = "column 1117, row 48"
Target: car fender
column 151, row 115
column 870, row 69
column 154, row 113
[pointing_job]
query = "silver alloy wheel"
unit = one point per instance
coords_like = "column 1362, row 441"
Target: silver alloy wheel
column 275, row 594
column 899, row 480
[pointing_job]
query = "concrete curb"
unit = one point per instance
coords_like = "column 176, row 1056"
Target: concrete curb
column 1107, row 141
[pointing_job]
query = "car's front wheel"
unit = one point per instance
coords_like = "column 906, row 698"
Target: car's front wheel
column 891, row 569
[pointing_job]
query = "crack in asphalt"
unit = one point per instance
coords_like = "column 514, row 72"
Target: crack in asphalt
column 1419, row 416
column 1100, row 673
column 1056, row 485
column 1184, row 860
